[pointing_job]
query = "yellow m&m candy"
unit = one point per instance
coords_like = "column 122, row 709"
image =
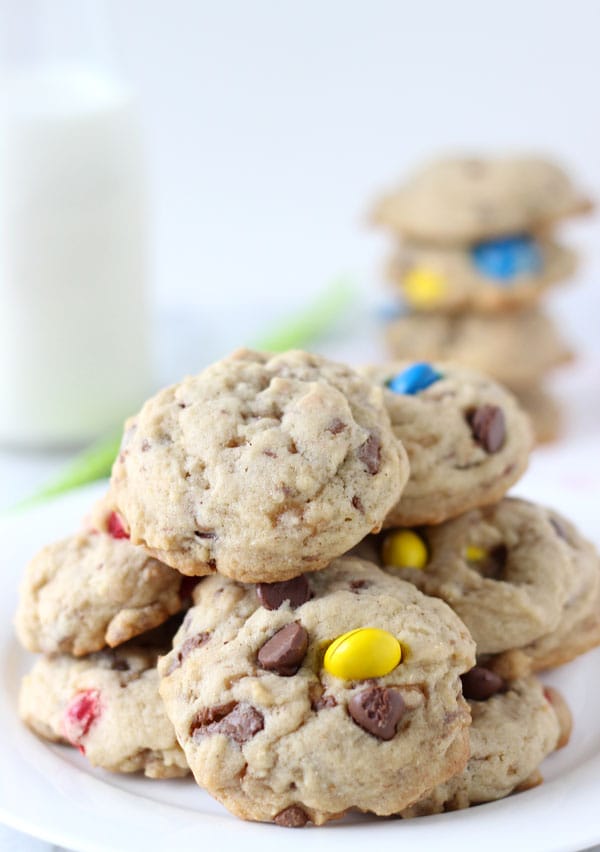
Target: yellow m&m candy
column 404, row 549
column 363, row 653
column 422, row 287
column 473, row 553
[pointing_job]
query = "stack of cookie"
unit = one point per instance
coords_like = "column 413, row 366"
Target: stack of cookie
column 88, row 604
column 318, row 669
column 476, row 252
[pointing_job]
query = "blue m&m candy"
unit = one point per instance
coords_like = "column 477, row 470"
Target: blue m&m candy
column 415, row 378
column 508, row 257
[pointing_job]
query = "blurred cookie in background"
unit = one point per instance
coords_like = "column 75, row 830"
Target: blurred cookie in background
column 461, row 200
column 515, row 348
column 475, row 254
column 510, row 273
column 544, row 413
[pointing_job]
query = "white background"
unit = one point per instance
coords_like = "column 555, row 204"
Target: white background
column 270, row 126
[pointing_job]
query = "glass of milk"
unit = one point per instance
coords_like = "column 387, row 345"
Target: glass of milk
column 74, row 318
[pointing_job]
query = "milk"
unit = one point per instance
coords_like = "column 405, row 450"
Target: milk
column 73, row 295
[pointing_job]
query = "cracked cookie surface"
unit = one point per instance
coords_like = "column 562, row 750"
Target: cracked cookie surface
column 106, row 705
column 260, row 468
column 274, row 736
column 91, row 590
column 453, row 467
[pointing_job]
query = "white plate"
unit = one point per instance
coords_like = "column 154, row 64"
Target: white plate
column 50, row 791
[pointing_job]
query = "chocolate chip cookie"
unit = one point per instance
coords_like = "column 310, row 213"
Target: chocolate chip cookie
column 261, row 468
column 519, row 575
column 91, row 590
column 459, row 200
column 515, row 726
column 106, row 705
column 578, row 629
column 289, row 699
column 517, row 349
column 466, row 438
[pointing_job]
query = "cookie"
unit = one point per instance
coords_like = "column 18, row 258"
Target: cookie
column 91, row 590
column 457, row 201
column 514, row 572
column 108, row 706
column 261, row 468
column 544, row 412
column 466, row 438
column 498, row 275
column 289, row 698
column 512, row 731
column 578, row 630
column 516, row 349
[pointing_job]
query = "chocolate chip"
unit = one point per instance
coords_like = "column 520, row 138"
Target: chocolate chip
column 377, row 710
column 292, row 817
column 283, row 653
column 479, row 684
column 272, row 595
column 370, row 454
column 322, row 702
column 488, row 427
column 212, row 715
column 357, row 503
column 494, row 565
column 235, row 442
column 243, row 723
column 559, row 529
column 336, row 426
column 239, row 722
column 188, row 646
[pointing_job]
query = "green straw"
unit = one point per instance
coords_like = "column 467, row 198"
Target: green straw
column 310, row 324
column 299, row 331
